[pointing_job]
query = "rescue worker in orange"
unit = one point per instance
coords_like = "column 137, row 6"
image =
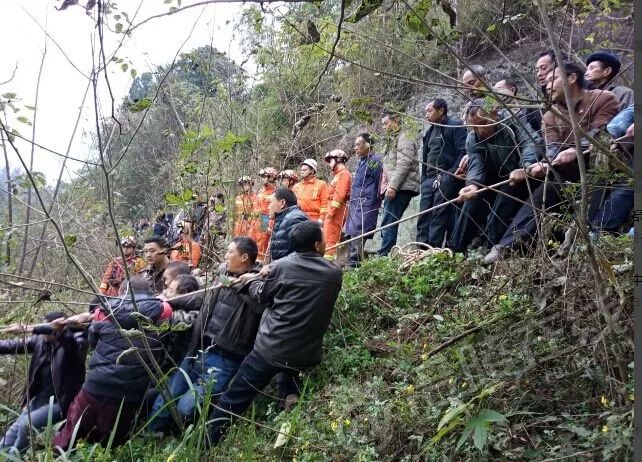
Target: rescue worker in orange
column 311, row 192
column 264, row 195
column 246, row 215
column 288, row 178
column 186, row 249
column 340, row 194
column 115, row 272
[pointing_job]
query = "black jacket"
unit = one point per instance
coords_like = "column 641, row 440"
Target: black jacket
column 229, row 320
column 493, row 159
column 67, row 362
column 299, row 293
column 283, row 222
column 115, row 370
column 450, row 143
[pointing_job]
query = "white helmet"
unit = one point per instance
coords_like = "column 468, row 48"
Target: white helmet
column 310, row 163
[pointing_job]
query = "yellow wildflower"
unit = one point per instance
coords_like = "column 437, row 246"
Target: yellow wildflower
column 503, row 297
column 424, row 356
column 605, row 428
column 604, row 400
column 171, row 457
column 334, row 425
column 410, row 389
column 346, row 422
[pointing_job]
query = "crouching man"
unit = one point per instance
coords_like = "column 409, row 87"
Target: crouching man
column 56, row 369
column 299, row 292
column 119, row 368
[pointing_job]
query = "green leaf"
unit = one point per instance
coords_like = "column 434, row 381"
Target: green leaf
column 70, row 240
column 188, row 194
column 133, row 73
column 140, row 105
column 172, row 198
column 464, row 436
column 415, row 18
column 24, row 120
column 124, row 67
column 453, row 412
column 9, row 95
column 191, row 168
column 119, row 27
column 488, row 415
column 491, row 28
column 480, row 435
column 31, row 108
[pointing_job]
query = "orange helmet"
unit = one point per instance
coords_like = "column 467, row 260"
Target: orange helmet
column 270, row 172
column 245, row 179
column 336, row 154
column 290, row 174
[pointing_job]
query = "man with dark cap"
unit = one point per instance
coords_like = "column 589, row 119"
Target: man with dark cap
column 601, row 69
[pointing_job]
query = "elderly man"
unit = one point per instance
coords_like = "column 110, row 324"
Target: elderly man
column 601, row 70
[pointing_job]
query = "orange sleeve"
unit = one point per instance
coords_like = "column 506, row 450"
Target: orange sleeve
column 324, row 198
column 196, row 254
column 342, row 191
column 104, row 283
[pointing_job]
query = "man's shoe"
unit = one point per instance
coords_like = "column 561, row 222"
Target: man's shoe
column 496, row 254
column 291, row 402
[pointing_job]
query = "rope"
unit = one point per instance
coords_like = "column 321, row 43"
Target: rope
column 412, row 256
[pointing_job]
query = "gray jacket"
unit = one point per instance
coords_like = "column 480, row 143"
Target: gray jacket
column 299, row 293
column 401, row 163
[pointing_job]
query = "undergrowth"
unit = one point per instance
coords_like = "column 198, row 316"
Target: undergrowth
column 529, row 379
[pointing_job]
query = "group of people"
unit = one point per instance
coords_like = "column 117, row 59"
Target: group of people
column 221, row 344
column 484, row 183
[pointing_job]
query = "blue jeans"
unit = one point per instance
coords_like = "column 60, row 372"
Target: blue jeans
column 610, row 208
column 253, row 376
column 204, row 371
column 17, row 436
column 393, row 211
column 622, row 120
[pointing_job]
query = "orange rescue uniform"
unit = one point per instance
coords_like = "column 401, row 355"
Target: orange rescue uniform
column 247, row 216
column 264, row 197
column 312, row 195
column 188, row 251
column 338, row 208
column 115, row 274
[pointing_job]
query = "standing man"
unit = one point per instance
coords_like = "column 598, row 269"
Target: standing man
column 288, row 178
column 299, row 292
column 264, row 198
column 401, row 178
column 444, row 145
column 155, row 251
column 56, row 369
column 312, row 193
column 287, row 214
column 115, row 272
column 365, row 197
column 529, row 115
column 246, row 209
column 601, row 70
column 340, row 193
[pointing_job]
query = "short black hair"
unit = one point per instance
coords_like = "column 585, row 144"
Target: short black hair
column 53, row 315
column 159, row 240
column 440, row 103
column 304, row 235
column 246, row 246
column 551, row 55
column 573, row 68
column 366, row 137
column 178, row 267
column 510, row 82
column 186, row 283
column 285, row 194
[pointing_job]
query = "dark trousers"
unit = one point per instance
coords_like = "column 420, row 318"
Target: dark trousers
column 610, row 208
column 253, row 376
column 97, row 417
column 488, row 216
column 548, row 196
column 355, row 254
column 433, row 227
column 393, row 210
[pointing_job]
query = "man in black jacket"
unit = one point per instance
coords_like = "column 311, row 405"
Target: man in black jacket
column 57, row 369
column 444, row 145
column 222, row 335
column 299, row 291
column 119, row 368
column 286, row 213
